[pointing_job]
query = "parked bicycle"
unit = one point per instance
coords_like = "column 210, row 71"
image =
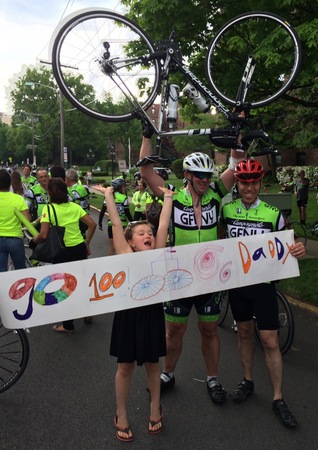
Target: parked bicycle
column 250, row 62
column 14, row 356
column 286, row 330
column 14, row 344
column 304, row 232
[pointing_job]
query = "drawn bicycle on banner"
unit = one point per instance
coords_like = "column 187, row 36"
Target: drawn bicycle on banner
column 250, row 62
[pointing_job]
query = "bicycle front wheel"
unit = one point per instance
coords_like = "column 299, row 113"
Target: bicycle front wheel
column 14, row 356
column 97, row 62
column 300, row 232
column 275, row 47
column 286, row 331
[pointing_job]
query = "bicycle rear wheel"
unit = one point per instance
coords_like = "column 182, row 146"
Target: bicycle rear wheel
column 286, row 331
column 102, row 49
column 299, row 231
column 273, row 43
column 14, row 356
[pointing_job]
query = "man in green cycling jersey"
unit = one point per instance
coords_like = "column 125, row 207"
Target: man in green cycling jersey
column 38, row 195
column 28, row 179
column 249, row 216
column 194, row 219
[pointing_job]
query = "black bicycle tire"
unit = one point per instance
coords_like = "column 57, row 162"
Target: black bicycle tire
column 14, row 356
column 92, row 66
column 300, row 231
column 215, row 45
column 284, row 304
column 223, row 300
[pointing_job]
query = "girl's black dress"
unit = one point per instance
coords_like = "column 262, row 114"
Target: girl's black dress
column 138, row 334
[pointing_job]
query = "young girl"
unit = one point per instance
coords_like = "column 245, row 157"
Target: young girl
column 138, row 334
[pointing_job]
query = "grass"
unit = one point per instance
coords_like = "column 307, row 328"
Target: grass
column 304, row 287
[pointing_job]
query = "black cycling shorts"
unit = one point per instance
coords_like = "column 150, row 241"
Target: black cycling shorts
column 258, row 300
column 206, row 305
column 302, row 203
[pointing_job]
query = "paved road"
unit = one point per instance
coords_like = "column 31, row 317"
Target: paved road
column 65, row 399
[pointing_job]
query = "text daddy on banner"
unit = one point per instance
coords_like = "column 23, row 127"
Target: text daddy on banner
column 47, row 294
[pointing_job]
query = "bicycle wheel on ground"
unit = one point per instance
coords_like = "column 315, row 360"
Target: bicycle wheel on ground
column 286, row 330
column 104, row 50
column 299, row 231
column 14, row 356
column 222, row 298
column 275, row 47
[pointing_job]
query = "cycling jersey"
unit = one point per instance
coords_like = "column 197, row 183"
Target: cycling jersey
column 81, row 194
column 260, row 299
column 39, row 197
column 121, row 201
column 183, row 226
column 29, row 181
column 260, row 218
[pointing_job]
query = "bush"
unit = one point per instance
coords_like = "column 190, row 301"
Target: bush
column 177, row 168
column 283, row 174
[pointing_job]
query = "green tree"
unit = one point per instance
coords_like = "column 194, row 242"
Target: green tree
column 36, row 104
column 4, row 149
column 195, row 23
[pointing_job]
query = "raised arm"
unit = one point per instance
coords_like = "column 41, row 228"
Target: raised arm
column 153, row 180
column 227, row 176
column 120, row 243
column 165, row 215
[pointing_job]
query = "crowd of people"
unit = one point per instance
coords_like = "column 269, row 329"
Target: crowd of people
column 162, row 326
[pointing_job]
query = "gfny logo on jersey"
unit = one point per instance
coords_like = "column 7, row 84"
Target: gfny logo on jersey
column 241, row 228
column 185, row 217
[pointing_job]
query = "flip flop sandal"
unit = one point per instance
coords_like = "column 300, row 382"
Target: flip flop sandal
column 122, row 430
column 153, row 423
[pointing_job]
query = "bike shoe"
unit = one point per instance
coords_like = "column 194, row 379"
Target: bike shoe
column 281, row 410
column 245, row 388
column 217, row 393
column 166, row 382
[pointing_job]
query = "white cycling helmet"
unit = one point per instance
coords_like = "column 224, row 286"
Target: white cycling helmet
column 198, row 162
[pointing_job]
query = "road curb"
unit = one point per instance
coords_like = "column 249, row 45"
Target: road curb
column 303, row 305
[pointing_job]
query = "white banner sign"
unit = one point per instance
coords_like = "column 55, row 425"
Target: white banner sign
column 53, row 293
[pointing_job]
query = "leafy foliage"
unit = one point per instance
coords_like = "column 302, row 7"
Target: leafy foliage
column 195, row 23
column 36, row 104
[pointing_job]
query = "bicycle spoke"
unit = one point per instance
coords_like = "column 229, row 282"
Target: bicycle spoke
column 103, row 49
column 14, row 355
column 271, row 42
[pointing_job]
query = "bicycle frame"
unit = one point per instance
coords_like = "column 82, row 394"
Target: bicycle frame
column 170, row 58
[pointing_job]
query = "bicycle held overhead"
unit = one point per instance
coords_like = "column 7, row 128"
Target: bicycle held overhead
column 126, row 72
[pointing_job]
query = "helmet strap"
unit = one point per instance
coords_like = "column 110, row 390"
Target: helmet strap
column 193, row 188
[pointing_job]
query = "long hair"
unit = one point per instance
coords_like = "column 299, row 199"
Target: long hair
column 16, row 183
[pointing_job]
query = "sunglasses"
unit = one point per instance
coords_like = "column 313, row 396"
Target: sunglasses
column 202, row 175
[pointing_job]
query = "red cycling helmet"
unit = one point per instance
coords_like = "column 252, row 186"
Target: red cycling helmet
column 249, row 170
